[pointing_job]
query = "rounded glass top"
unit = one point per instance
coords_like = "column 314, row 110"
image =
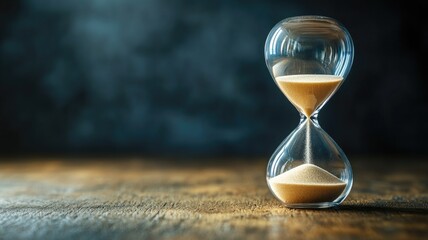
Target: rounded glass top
column 309, row 45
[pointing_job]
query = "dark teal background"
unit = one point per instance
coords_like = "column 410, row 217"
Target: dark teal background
column 185, row 78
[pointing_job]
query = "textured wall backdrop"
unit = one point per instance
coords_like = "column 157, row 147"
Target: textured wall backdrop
column 188, row 77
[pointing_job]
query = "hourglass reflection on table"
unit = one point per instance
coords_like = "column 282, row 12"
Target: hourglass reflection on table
column 309, row 58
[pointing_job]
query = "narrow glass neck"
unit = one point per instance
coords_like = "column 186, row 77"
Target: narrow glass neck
column 313, row 118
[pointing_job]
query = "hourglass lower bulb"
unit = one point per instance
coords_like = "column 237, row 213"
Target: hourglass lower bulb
column 309, row 58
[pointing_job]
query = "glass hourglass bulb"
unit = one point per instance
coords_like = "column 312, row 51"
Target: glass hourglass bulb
column 309, row 58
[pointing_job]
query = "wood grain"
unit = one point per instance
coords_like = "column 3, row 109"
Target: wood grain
column 201, row 199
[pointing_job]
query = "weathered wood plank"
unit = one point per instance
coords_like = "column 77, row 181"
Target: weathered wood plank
column 136, row 198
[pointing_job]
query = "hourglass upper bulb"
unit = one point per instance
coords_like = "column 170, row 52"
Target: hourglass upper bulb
column 309, row 57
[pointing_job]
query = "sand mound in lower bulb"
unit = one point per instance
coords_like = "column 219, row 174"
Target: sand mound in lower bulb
column 306, row 183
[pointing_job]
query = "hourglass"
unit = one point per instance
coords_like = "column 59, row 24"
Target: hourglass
column 309, row 58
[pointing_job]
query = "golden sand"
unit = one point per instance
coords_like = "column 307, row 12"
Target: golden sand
column 308, row 91
column 306, row 183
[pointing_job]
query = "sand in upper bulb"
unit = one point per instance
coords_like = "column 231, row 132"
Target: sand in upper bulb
column 306, row 183
column 308, row 91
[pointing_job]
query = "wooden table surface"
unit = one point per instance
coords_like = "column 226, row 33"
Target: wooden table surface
column 139, row 198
